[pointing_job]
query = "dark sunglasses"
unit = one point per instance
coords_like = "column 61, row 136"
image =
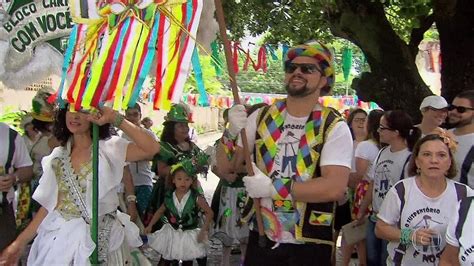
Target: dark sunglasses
column 459, row 109
column 305, row 68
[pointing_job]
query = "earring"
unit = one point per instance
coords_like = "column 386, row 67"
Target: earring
column 418, row 171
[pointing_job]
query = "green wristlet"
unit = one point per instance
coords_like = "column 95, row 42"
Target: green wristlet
column 405, row 236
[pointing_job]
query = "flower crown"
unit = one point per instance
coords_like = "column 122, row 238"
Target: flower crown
column 448, row 138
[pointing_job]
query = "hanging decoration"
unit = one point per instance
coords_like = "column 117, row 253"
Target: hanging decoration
column 203, row 98
column 216, row 60
column 338, row 102
column 261, row 58
column 346, row 62
column 115, row 44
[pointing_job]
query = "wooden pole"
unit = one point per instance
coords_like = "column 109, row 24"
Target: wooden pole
column 235, row 93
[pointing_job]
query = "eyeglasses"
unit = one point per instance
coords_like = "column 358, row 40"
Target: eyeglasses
column 459, row 109
column 305, row 68
column 359, row 120
column 384, row 128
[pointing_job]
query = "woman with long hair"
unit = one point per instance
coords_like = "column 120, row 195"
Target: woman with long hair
column 395, row 129
column 62, row 224
column 356, row 122
column 175, row 146
column 415, row 213
column 364, row 155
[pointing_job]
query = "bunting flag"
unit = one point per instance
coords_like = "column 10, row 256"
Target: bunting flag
column 114, row 45
column 346, row 62
column 340, row 103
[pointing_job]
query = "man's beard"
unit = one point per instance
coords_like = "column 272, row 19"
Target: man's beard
column 299, row 92
column 459, row 123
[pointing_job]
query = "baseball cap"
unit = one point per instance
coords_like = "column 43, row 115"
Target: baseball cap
column 434, row 101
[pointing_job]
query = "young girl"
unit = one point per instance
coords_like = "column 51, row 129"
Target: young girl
column 180, row 238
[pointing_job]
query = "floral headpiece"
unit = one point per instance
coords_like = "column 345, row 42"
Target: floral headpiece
column 192, row 166
column 447, row 137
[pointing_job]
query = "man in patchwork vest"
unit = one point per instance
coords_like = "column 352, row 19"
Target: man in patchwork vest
column 302, row 153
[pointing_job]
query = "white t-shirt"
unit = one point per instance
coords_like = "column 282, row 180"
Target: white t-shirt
column 141, row 170
column 420, row 211
column 466, row 240
column 336, row 151
column 386, row 172
column 465, row 143
column 21, row 158
column 368, row 151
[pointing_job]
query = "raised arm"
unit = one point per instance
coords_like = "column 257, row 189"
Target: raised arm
column 144, row 145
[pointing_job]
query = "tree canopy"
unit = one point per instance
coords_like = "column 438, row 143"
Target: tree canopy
column 387, row 31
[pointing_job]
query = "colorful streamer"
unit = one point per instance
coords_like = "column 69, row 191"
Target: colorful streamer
column 115, row 45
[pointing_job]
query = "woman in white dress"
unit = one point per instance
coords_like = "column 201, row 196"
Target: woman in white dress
column 62, row 224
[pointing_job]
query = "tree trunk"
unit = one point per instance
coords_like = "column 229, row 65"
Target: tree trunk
column 455, row 23
column 394, row 81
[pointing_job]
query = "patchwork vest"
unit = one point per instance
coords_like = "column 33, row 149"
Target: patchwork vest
column 316, row 221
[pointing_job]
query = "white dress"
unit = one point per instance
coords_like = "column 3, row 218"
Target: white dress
column 64, row 236
column 179, row 244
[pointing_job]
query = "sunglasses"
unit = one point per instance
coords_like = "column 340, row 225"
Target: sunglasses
column 459, row 109
column 305, row 68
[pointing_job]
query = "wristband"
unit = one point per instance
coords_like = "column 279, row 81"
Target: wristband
column 131, row 198
column 118, row 120
column 406, row 236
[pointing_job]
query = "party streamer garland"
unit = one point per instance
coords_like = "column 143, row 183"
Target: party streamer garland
column 115, row 45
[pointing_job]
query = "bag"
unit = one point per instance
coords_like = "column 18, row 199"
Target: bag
column 354, row 233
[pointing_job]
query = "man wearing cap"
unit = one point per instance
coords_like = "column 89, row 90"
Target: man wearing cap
column 434, row 110
column 461, row 116
column 303, row 157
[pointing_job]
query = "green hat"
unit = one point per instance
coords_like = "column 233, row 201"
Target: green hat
column 42, row 109
column 179, row 112
column 192, row 165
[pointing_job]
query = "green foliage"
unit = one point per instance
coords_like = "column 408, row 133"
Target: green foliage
column 293, row 21
column 12, row 117
column 258, row 81
column 212, row 84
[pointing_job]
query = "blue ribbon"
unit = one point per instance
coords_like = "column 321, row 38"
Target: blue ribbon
column 67, row 60
column 147, row 63
column 203, row 98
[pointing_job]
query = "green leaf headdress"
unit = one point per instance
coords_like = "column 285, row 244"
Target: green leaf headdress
column 192, row 165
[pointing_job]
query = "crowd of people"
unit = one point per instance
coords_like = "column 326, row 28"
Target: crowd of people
column 313, row 175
